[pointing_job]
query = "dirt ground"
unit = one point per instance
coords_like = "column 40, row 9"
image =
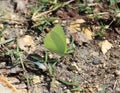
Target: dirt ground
column 95, row 71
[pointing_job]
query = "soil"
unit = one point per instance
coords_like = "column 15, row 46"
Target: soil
column 95, row 72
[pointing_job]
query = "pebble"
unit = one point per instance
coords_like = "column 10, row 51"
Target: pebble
column 36, row 79
column 73, row 66
column 13, row 80
column 117, row 72
column 67, row 91
column 96, row 61
column 1, row 26
column 22, row 91
column 21, row 86
column 117, row 90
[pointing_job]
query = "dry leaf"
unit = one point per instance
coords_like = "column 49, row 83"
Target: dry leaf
column 80, row 33
column 88, row 33
column 26, row 43
column 105, row 46
column 6, row 86
column 75, row 25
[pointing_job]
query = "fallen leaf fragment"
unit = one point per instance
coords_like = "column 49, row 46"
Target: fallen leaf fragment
column 88, row 33
column 6, row 86
column 22, row 91
column 105, row 46
column 73, row 66
column 79, row 32
column 75, row 25
column 26, row 43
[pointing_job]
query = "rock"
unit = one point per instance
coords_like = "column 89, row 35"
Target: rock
column 117, row 72
column 14, row 80
column 21, row 86
column 22, row 91
column 67, row 91
column 117, row 90
column 36, row 79
column 73, row 66
column 96, row 61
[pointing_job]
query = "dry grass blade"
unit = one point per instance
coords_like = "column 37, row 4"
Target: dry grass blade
column 36, row 15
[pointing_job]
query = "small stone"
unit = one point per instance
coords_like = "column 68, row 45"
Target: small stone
column 2, row 64
column 67, row 40
column 50, row 55
column 96, row 61
column 90, row 1
column 95, row 53
column 21, row 5
column 36, row 79
column 117, row 72
column 37, row 89
column 22, row 91
column 115, row 54
column 67, row 91
column 1, row 26
column 55, row 84
column 91, row 90
column 13, row 80
column 73, row 66
column 21, row 86
column 117, row 90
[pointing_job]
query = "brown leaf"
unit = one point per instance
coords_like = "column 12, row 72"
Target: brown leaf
column 87, row 32
column 75, row 25
column 105, row 46
column 80, row 33
column 26, row 43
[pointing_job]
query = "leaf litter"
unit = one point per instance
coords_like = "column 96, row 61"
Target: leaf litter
column 79, row 32
column 105, row 46
column 26, row 43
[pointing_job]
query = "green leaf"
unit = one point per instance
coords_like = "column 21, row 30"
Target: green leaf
column 55, row 40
